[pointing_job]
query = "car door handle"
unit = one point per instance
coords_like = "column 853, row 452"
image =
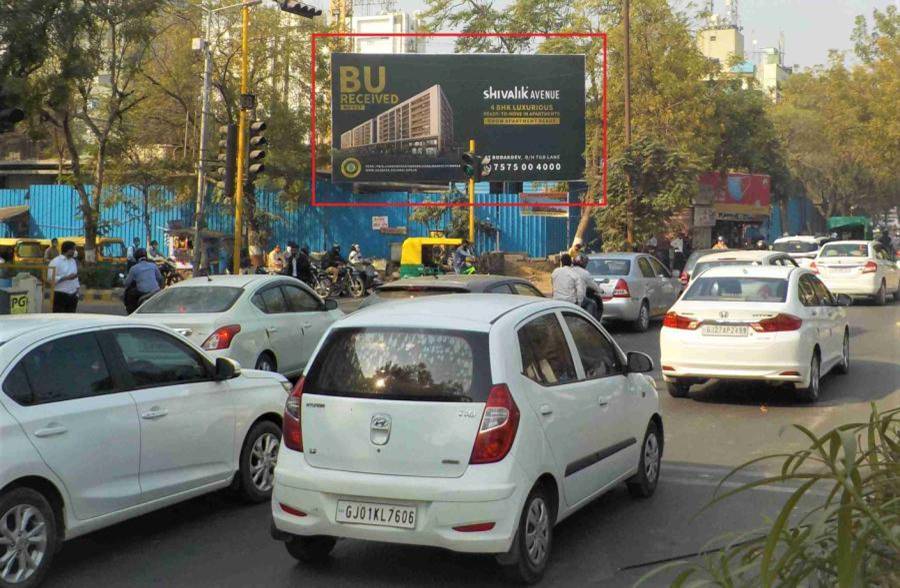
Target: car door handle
column 603, row 401
column 546, row 410
column 306, row 325
column 51, row 430
column 154, row 413
column 272, row 330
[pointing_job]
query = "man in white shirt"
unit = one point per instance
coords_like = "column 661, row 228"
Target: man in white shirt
column 65, row 279
column 592, row 301
column 567, row 285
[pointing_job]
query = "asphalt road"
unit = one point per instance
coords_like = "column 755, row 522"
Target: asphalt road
column 218, row 541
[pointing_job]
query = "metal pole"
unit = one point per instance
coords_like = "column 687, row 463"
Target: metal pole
column 472, row 199
column 626, row 23
column 199, row 211
column 242, row 132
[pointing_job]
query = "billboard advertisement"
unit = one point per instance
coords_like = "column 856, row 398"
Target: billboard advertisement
column 552, row 204
column 741, row 195
column 408, row 117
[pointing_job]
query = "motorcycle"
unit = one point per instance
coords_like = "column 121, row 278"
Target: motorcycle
column 349, row 282
column 368, row 274
column 169, row 272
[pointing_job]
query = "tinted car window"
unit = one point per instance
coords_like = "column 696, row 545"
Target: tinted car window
column 299, row 300
column 500, row 289
column 16, row 385
column 546, row 358
column 403, row 364
column 807, row 292
column 845, row 250
column 609, row 267
column 67, row 368
column 157, row 359
column 526, row 290
column 702, row 266
column 273, row 301
column 192, row 299
column 733, row 289
column 659, row 268
column 796, row 246
column 822, row 292
column 598, row 356
column 645, row 268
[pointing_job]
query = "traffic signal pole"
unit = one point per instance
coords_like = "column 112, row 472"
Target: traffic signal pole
column 199, row 211
column 241, row 144
column 472, row 199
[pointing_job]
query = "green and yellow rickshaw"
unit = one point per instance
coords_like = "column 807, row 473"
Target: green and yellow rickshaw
column 426, row 256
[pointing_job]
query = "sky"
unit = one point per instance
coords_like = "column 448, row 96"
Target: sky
column 810, row 27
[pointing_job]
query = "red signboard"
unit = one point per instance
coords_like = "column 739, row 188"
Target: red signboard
column 740, row 193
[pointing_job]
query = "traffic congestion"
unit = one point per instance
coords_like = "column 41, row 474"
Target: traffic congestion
column 469, row 412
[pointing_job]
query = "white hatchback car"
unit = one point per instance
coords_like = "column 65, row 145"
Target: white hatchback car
column 271, row 323
column 470, row 422
column 766, row 323
column 858, row 269
column 103, row 419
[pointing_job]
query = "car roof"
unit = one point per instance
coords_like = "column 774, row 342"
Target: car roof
column 14, row 326
column 467, row 312
column 234, row 281
column 740, row 255
column 463, row 282
column 851, row 242
column 753, row 271
column 618, row 254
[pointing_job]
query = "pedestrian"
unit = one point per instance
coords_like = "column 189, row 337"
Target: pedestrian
column 567, row 285
column 275, row 259
column 153, row 251
column 592, row 301
column 143, row 278
column 130, row 260
column 720, row 243
column 678, row 249
column 223, row 258
column 65, row 279
column 52, row 252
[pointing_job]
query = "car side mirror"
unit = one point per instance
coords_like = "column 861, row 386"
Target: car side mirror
column 844, row 300
column 226, row 369
column 639, row 363
column 330, row 304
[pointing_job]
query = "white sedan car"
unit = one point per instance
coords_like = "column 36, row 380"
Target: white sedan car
column 271, row 323
column 103, row 419
column 858, row 269
column 766, row 323
column 742, row 257
column 470, row 422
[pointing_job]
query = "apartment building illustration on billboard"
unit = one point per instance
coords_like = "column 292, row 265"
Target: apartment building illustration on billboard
column 421, row 125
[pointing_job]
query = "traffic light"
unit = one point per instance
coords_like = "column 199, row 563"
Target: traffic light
column 256, row 153
column 224, row 173
column 474, row 166
column 299, row 8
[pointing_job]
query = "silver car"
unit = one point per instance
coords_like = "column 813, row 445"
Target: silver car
column 636, row 287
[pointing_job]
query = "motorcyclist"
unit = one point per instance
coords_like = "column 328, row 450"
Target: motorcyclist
column 355, row 255
column 593, row 296
column 461, row 256
column 332, row 262
column 143, row 279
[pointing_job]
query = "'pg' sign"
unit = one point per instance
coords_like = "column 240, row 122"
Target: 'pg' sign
column 18, row 304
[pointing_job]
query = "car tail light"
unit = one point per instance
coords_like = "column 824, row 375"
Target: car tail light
column 221, row 338
column 813, row 267
column 685, row 278
column 779, row 322
column 621, row 290
column 291, row 510
column 674, row 320
column 499, row 424
column 290, row 426
column 870, row 268
column 476, row 528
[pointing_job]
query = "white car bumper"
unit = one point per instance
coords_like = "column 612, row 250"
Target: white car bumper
column 490, row 493
column 853, row 284
column 778, row 357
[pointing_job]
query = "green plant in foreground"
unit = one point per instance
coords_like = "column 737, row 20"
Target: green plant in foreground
column 850, row 538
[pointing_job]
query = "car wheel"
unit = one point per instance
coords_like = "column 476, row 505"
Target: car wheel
column 844, row 366
column 881, row 295
column 357, row 288
column 266, row 363
column 28, row 538
column 643, row 484
column 313, row 549
column 811, row 392
column 678, row 389
column 642, row 322
column 529, row 554
column 258, row 457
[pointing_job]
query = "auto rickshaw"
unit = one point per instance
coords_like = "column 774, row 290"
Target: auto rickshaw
column 23, row 250
column 426, row 256
column 110, row 250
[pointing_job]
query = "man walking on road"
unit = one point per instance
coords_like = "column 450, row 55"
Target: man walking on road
column 65, row 279
column 567, row 285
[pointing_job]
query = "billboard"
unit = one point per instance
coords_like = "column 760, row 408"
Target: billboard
column 407, row 118
column 552, row 204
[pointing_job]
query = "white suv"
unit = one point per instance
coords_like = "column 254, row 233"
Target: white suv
column 104, row 418
column 473, row 423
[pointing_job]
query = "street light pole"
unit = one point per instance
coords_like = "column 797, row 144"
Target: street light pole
column 199, row 212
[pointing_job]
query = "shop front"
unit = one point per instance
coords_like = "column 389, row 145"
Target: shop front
column 737, row 210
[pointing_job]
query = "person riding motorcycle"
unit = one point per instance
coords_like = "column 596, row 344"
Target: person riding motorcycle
column 461, row 257
column 355, row 255
column 143, row 280
column 332, row 262
column 593, row 296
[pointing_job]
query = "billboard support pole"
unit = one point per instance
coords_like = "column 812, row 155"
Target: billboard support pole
column 471, row 183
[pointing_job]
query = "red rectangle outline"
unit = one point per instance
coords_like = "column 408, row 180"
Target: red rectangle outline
column 601, row 203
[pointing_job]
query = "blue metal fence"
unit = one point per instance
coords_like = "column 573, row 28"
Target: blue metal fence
column 54, row 212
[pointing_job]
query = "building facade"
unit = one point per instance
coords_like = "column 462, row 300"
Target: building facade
column 394, row 22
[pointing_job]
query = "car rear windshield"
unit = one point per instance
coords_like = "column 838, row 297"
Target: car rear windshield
column 705, row 265
column 845, row 250
column 609, row 267
column 192, row 300
column 415, row 292
column 796, row 246
column 402, row 364
column 733, row 289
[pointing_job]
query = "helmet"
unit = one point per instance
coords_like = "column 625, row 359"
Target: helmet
column 355, row 247
column 335, row 245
